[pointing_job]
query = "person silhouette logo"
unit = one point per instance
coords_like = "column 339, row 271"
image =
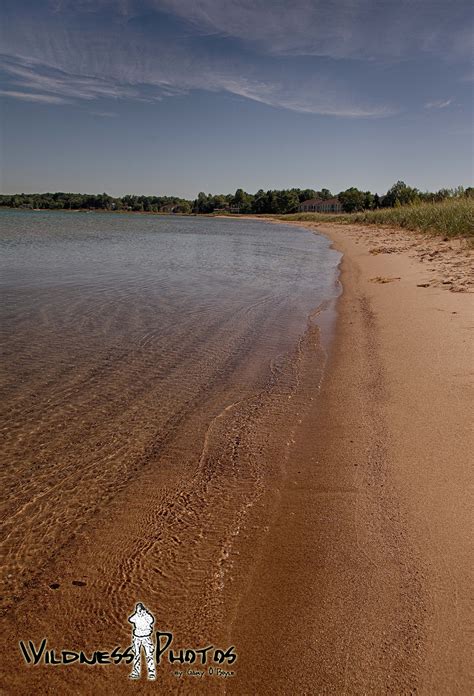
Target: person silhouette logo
column 142, row 622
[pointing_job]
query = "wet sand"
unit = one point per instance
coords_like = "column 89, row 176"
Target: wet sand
column 319, row 523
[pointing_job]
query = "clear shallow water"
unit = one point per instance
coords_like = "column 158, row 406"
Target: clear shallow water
column 124, row 337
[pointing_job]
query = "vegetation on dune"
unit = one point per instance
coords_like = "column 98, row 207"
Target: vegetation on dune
column 451, row 217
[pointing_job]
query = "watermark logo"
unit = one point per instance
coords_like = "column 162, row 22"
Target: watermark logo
column 154, row 646
column 143, row 622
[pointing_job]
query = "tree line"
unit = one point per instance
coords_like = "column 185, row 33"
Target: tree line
column 101, row 201
column 271, row 202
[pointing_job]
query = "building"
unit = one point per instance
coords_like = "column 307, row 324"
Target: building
column 169, row 208
column 317, row 205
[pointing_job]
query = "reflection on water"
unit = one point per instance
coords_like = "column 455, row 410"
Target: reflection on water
column 122, row 335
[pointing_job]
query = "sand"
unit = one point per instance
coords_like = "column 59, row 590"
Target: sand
column 349, row 573
column 365, row 583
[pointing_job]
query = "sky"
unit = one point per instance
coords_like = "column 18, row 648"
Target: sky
column 173, row 97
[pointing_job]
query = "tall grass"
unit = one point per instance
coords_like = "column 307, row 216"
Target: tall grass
column 450, row 218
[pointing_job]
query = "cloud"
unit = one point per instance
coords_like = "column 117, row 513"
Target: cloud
column 33, row 75
column 153, row 81
column 335, row 28
column 307, row 56
column 32, row 97
column 104, row 114
column 439, row 104
column 316, row 98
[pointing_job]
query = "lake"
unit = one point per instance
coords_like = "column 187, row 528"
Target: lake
column 147, row 366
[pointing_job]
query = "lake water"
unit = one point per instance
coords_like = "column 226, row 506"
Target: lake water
column 138, row 355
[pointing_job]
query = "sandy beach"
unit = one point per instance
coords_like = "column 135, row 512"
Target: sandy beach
column 237, row 366
column 321, row 525
column 365, row 583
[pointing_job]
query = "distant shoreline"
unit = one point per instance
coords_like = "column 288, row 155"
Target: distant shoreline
column 100, row 210
column 450, row 218
column 230, row 216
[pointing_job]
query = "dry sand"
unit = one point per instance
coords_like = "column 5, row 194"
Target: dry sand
column 365, row 583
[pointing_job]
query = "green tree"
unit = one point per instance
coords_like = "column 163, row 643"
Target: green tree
column 369, row 199
column 201, row 204
column 184, row 207
column 325, row 194
column 243, row 201
column 306, row 195
column 287, row 201
column 260, row 202
column 352, row 200
column 400, row 194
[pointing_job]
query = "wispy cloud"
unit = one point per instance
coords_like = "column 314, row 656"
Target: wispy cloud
column 34, row 75
column 335, row 28
column 104, row 114
column 439, row 104
column 315, row 98
column 32, row 97
column 300, row 56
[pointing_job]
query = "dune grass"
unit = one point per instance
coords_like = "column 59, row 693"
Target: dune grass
column 450, row 218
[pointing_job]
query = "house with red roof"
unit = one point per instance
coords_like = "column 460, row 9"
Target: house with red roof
column 317, row 205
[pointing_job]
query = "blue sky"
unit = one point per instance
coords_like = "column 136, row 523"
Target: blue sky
column 179, row 96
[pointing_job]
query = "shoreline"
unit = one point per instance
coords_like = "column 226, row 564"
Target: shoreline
column 347, row 570
column 364, row 581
